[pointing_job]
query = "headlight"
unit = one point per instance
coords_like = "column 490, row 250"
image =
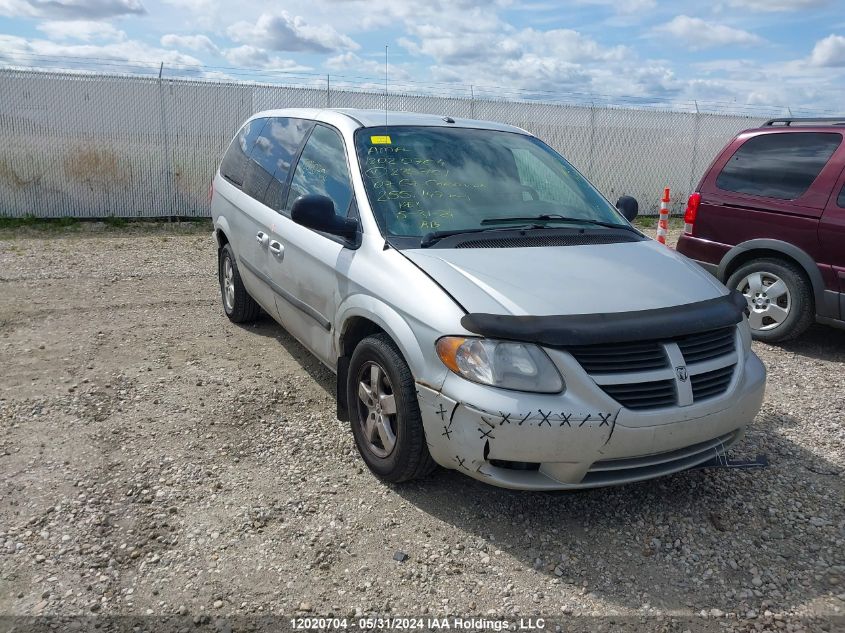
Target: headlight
column 520, row 366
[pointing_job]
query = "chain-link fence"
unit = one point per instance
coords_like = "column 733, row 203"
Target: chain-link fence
column 102, row 145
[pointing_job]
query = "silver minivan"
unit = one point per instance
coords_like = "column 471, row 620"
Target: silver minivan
column 483, row 306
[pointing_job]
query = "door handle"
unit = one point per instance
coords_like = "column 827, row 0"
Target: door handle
column 277, row 249
column 262, row 238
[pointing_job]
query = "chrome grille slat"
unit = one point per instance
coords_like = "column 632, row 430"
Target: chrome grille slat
column 643, row 395
column 697, row 347
column 712, row 383
column 641, row 388
column 627, row 357
column 641, row 376
column 706, row 345
column 712, row 377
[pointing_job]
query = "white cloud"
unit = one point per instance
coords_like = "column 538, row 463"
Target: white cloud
column 777, row 5
column 475, row 46
column 19, row 51
column 283, row 32
column 206, row 15
column 829, row 52
column 198, row 6
column 201, row 43
column 569, row 45
column 624, row 6
column 353, row 63
column 697, row 34
column 480, row 42
column 71, row 9
column 247, row 56
column 84, row 30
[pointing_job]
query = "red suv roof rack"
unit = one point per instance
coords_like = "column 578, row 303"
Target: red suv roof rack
column 787, row 122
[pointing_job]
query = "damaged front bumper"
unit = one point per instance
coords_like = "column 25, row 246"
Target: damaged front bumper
column 580, row 438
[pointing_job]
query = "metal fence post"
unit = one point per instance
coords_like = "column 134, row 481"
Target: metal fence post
column 592, row 137
column 694, row 158
column 168, row 159
column 328, row 91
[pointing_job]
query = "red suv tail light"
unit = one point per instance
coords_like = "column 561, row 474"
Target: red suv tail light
column 692, row 210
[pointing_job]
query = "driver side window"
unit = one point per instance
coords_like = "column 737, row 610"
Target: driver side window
column 322, row 169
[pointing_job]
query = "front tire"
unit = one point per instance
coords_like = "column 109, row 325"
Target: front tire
column 779, row 298
column 384, row 412
column 237, row 304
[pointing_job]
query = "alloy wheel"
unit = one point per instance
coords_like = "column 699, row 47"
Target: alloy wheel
column 228, row 283
column 377, row 409
column 768, row 299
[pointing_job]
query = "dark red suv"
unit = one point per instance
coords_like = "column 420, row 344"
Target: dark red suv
column 768, row 218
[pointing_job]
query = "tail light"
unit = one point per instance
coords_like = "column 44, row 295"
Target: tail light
column 692, row 210
column 210, row 191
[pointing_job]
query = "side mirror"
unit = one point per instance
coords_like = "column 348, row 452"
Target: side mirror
column 629, row 207
column 317, row 212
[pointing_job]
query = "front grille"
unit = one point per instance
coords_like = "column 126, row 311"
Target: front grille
column 643, row 395
column 662, row 373
column 711, row 383
column 706, row 345
column 527, row 241
column 620, row 357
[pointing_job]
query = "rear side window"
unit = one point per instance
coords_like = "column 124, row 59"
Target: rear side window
column 322, row 170
column 779, row 166
column 840, row 201
column 271, row 157
column 234, row 162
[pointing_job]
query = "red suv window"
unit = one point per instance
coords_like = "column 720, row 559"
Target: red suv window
column 840, row 201
column 779, row 166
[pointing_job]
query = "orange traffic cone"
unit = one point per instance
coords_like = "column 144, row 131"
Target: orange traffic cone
column 663, row 220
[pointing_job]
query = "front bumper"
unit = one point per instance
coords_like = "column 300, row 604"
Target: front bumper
column 581, row 438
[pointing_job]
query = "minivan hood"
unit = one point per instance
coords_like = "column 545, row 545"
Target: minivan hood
column 567, row 280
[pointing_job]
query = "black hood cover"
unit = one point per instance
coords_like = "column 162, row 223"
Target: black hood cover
column 618, row 327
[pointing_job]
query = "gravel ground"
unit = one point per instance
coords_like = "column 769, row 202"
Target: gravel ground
column 158, row 460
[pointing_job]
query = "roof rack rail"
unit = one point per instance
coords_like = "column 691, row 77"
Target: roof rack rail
column 787, row 121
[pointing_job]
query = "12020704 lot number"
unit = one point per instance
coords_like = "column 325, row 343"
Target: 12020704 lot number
column 366, row 624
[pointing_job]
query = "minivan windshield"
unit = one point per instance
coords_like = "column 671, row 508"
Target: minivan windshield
column 424, row 180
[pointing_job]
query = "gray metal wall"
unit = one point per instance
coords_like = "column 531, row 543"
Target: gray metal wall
column 98, row 146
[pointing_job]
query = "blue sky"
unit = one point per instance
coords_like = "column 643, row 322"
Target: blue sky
column 740, row 53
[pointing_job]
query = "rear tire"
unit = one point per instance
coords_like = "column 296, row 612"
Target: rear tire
column 237, row 304
column 384, row 412
column 779, row 297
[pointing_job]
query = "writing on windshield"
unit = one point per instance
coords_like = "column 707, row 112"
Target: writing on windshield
column 416, row 189
column 423, row 179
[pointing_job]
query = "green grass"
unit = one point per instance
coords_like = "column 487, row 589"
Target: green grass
column 650, row 222
column 114, row 222
column 31, row 225
column 30, row 221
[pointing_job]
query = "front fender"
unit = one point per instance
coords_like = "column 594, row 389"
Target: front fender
column 414, row 343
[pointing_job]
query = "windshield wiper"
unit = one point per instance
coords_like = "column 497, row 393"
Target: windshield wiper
column 435, row 236
column 552, row 217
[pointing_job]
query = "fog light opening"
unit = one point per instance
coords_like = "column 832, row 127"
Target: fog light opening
column 504, row 463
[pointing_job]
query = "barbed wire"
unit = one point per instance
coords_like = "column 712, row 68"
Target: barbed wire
column 352, row 82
